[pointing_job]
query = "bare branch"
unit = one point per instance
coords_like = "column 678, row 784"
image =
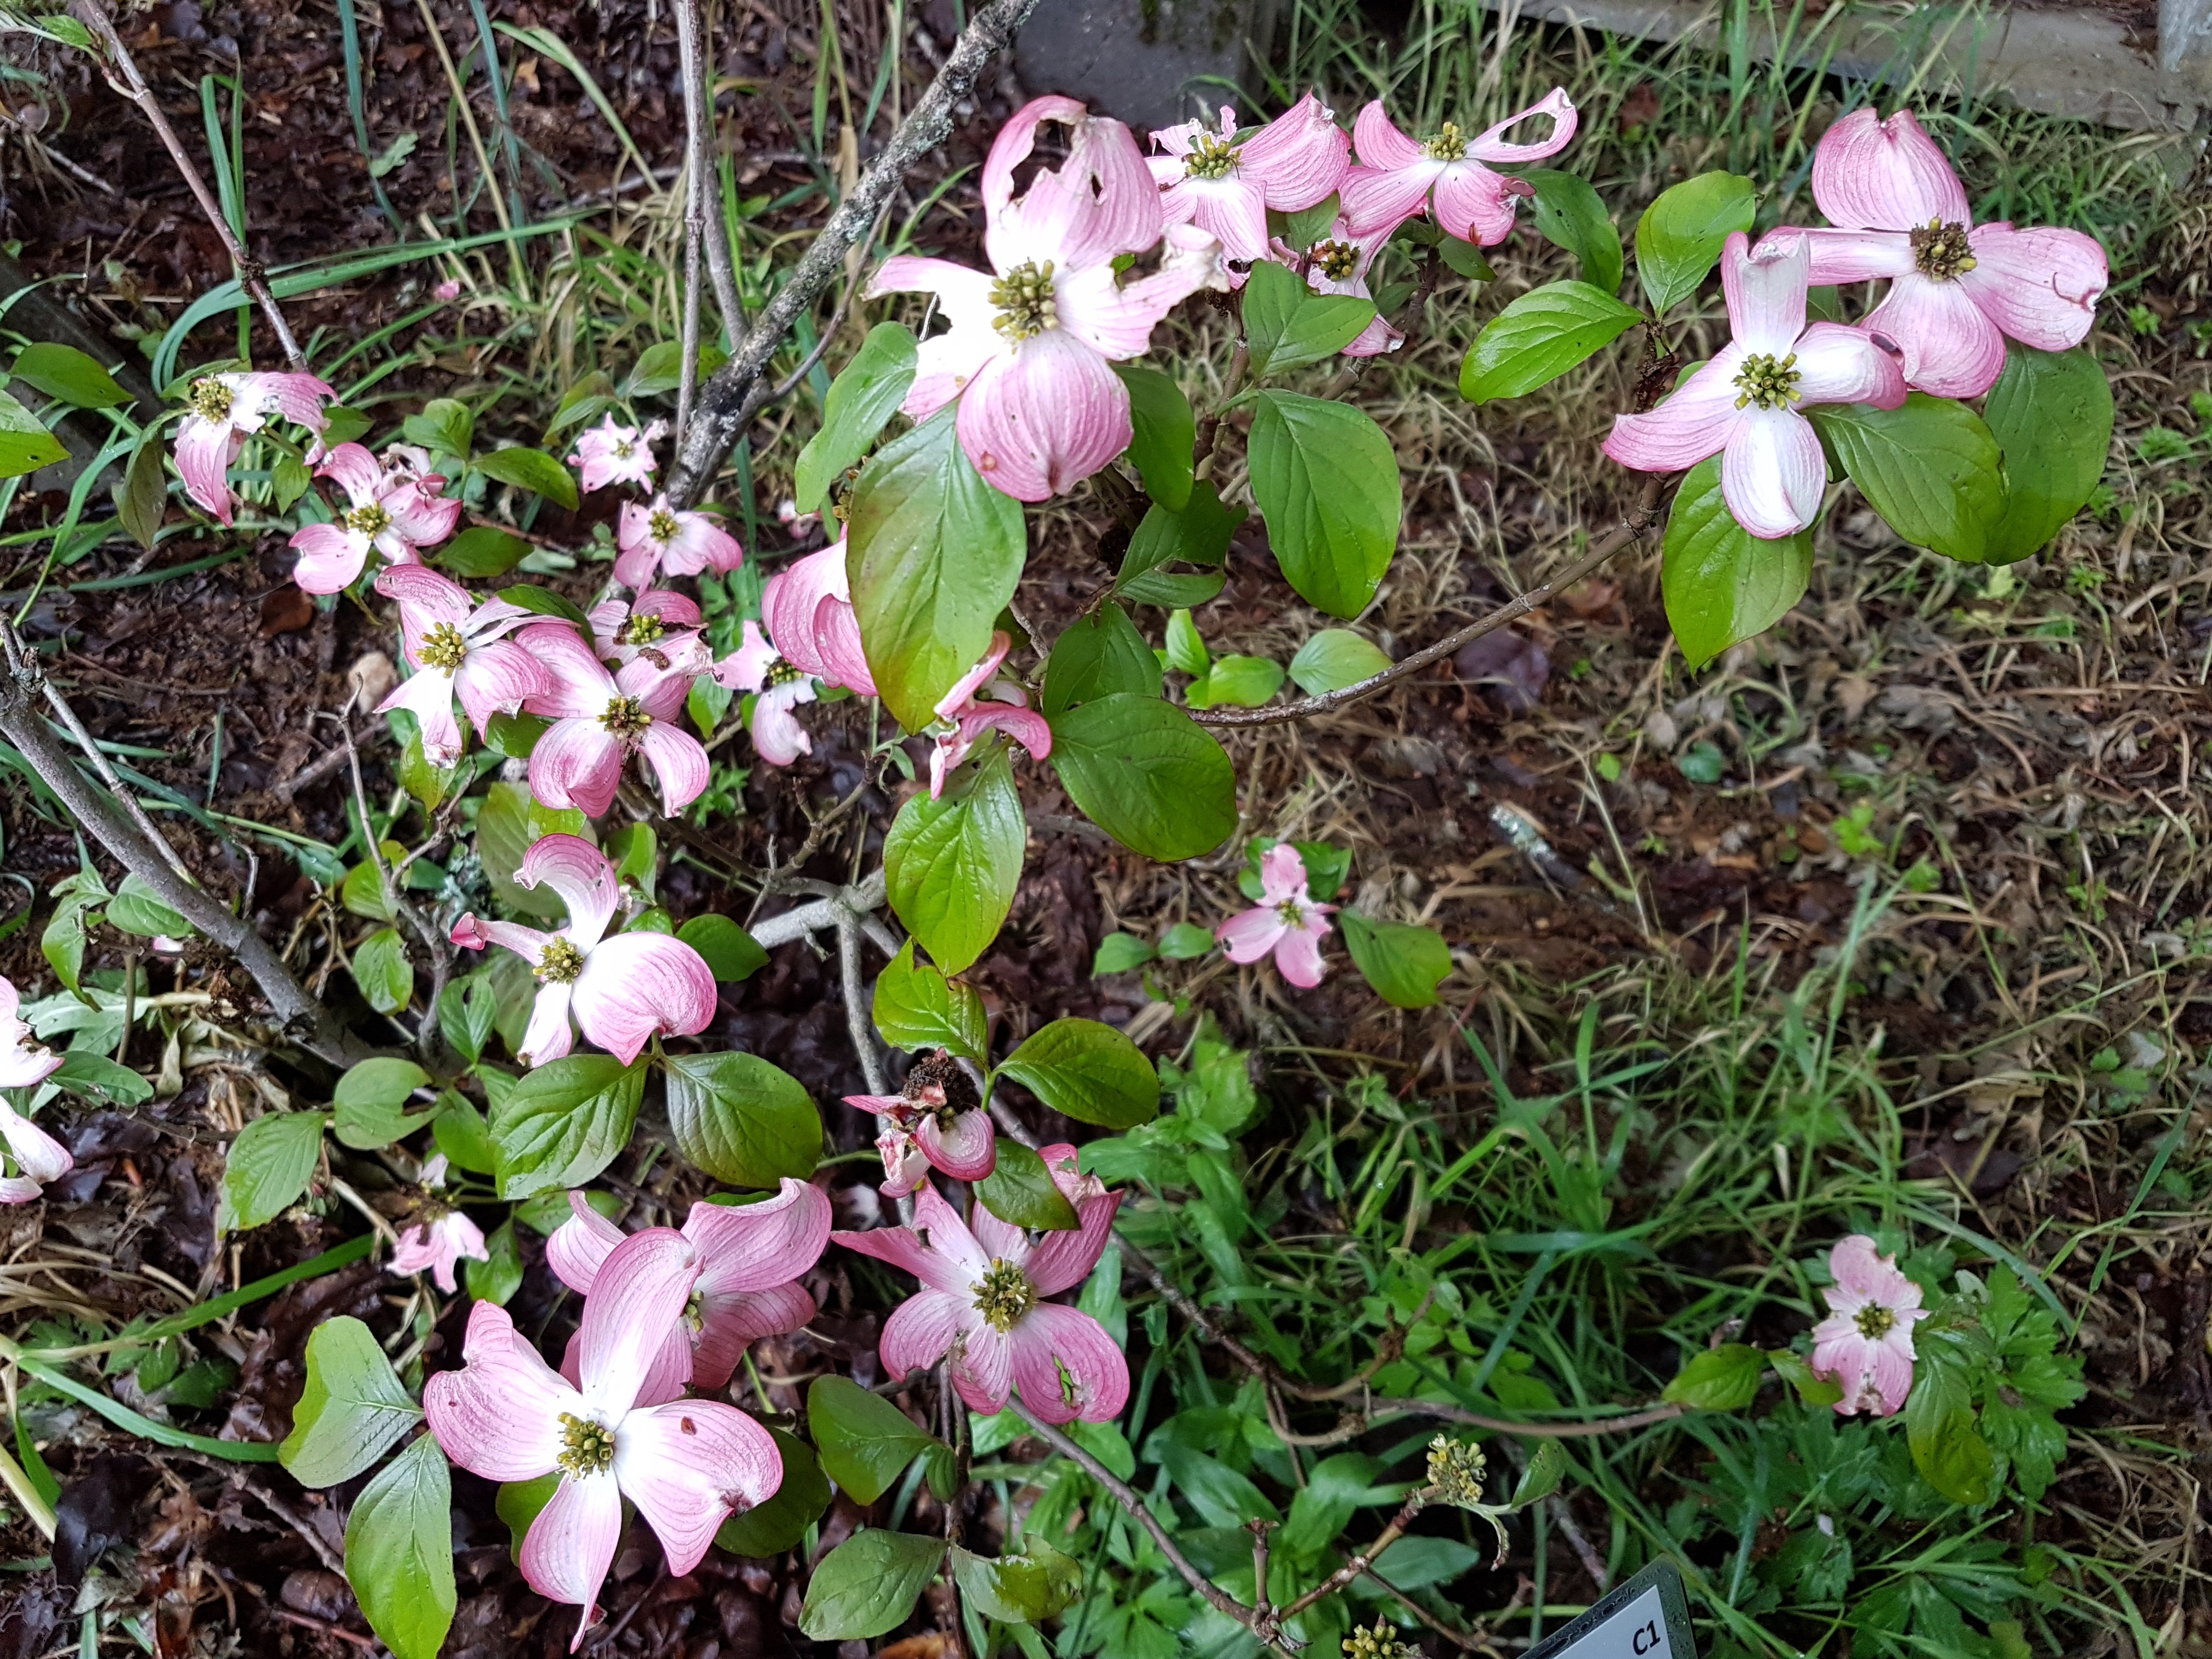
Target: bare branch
column 101, row 764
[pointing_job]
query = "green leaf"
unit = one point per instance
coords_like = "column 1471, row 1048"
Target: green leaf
column 499, row 1276
column 730, row 952
column 1186, row 941
column 1404, row 963
column 1812, row 1389
column 1020, row 1191
column 532, row 469
column 1243, row 682
column 744, row 1121
column 1088, row 1072
column 1165, row 433
column 1336, row 657
column 951, row 865
column 1288, row 325
column 508, row 824
column 96, row 1077
column 519, row 1503
column 781, row 1523
column 364, row 893
column 1333, row 1488
column 1948, row 1450
column 65, row 373
column 865, row 1441
column 935, row 554
column 269, row 1167
column 1026, row 1589
column 399, row 1551
column 1186, row 646
column 1680, row 238
column 1197, row 533
column 353, row 1407
column 290, row 480
column 917, row 1007
column 1326, row 479
column 371, row 1102
column 1097, row 655
column 1721, row 583
column 382, row 970
column 137, row 908
column 142, row 495
column 868, row 1584
column 515, row 736
column 1723, row 1379
column 586, row 400
column 1148, row 775
column 2051, row 415
column 1539, row 337
column 1465, row 259
column 1118, row 953
column 25, row 444
column 63, row 940
column 1547, row 1468
column 1302, row 229
column 561, row 1124
column 866, row 394
column 467, row 1008
column 1930, row 467
column 1571, row 215
column 461, row 1134
column 481, row 551
column 428, row 784
column 660, row 367
column 444, row 426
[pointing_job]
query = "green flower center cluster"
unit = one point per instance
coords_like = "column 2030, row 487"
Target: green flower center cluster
column 1381, row 1643
column 1337, row 261
column 662, row 525
column 1875, row 1321
column 370, row 521
column 1457, row 1470
column 642, row 627
column 1023, row 297
column 626, row 718
column 443, row 648
column 560, row 962
column 586, row 1447
column 210, row 400
column 781, row 672
column 1003, row 1295
column 1211, row 157
column 1292, row 912
column 1770, row 382
column 1941, row 250
column 1448, row 145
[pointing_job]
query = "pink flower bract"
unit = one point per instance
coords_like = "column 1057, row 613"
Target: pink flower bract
column 392, row 512
column 612, row 452
column 1866, row 1342
column 687, row 1464
column 1743, row 403
column 458, row 649
column 982, row 1301
column 659, row 625
column 980, row 701
column 1398, row 179
column 622, row 990
column 1031, row 350
column 807, row 609
column 671, row 540
column 39, row 1157
column 600, row 719
column 436, row 1244
column 938, row 1121
column 1956, row 288
column 1224, row 181
column 1286, row 921
column 221, row 410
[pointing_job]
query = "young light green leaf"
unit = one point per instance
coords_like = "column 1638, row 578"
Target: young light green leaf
column 1019, row 1589
column 1404, row 963
column 563, row 1122
column 399, row 1551
column 1020, row 1191
column 917, row 1007
column 1240, row 682
column 532, row 469
column 499, row 1275
column 1542, row 1477
column 730, row 952
column 1947, row 1447
column 1186, row 646
column 1198, row 533
column 461, row 1134
column 1097, row 655
column 1144, row 772
column 773, row 1527
column 1118, row 953
column 866, row 394
column 371, row 1102
column 25, row 444
column 1930, row 467
column 444, row 426
column 269, row 1167
column 1571, row 215
column 951, row 865
column 659, row 368
column 1326, row 479
column 381, row 970
column 1185, row 942
column 865, row 1441
column 466, row 1010
column 935, row 554
column 2051, row 415
column 481, row 552
column 1333, row 658
column 137, row 908
column 353, row 1407
column 1288, row 325
column 65, row 373
column 1723, row 1379
column 1721, row 583
column 1680, row 238
column 1088, row 1072
column 1814, row 1390
column 744, row 1121
column 1539, row 337
column 868, row 1584
column 1165, row 430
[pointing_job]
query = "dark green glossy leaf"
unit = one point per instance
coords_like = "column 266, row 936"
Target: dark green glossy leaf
column 1326, row 478
column 1088, row 1072
column 744, row 1121
column 1144, row 772
column 1539, row 336
column 951, row 865
column 1165, row 432
column 1721, row 583
column 1020, row 1191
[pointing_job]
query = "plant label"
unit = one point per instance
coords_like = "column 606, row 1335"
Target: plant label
column 1646, row 1618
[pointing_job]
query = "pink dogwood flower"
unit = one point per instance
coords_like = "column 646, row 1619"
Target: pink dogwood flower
column 686, row 1464
column 612, row 452
column 623, row 990
column 458, row 648
column 1287, row 921
column 1398, row 180
column 1956, row 288
column 448, row 291
column 671, row 539
column 1031, row 350
column 1742, row 404
column 600, row 719
column 392, row 513
column 1866, row 1342
column 1226, row 181
column 39, row 1157
column 750, row 1259
column 1339, row 264
column 441, row 1236
column 807, row 609
column 221, row 410
column 981, row 701
column 982, row 1301
column 660, row 625
column 936, row 1121
column 778, row 685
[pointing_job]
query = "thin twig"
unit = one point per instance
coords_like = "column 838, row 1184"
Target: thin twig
column 695, row 189
column 858, row 1024
column 251, row 276
column 698, row 70
column 128, row 801
column 1458, row 1639
column 1640, row 519
column 1365, row 1559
